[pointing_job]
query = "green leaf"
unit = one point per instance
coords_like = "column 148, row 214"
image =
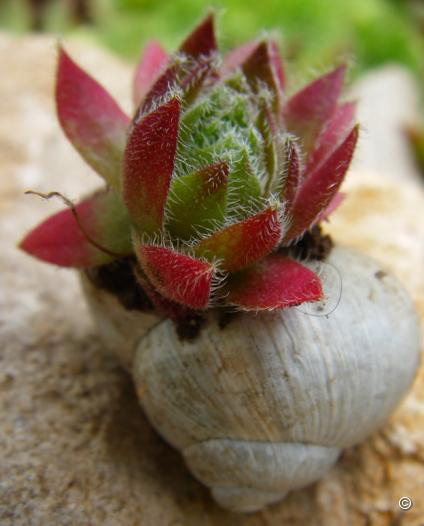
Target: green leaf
column 198, row 201
column 241, row 244
column 244, row 189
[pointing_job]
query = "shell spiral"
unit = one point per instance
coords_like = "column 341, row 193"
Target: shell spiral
column 265, row 405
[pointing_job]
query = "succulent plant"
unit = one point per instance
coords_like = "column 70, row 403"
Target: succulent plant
column 211, row 189
column 214, row 176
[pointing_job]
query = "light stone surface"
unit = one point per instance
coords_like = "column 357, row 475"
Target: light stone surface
column 388, row 101
column 75, row 449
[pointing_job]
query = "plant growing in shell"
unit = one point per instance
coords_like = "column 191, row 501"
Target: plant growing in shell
column 212, row 176
column 209, row 188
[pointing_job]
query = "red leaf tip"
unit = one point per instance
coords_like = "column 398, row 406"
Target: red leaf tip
column 276, row 282
column 179, row 277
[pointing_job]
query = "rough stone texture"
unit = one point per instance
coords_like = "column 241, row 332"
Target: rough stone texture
column 75, row 449
column 388, row 101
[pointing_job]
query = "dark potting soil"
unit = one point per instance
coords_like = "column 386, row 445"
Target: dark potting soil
column 314, row 245
column 119, row 279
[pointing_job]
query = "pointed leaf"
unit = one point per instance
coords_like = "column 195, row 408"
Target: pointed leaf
column 198, row 201
column 200, row 74
column 335, row 131
column 318, row 190
column 277, row 63
column 91, row 119
column 272, row 146
column 202, row 40
column 161, row 87
column 199, row 48
column 275, row 282
column 308, row 110
column 335, row 202
column 236, row 57
column 244, row 55
column 60, row 240
column 176, row 276
column 166, row 307
column 244, row 189
column 151, row 65
column 292, row 173
column 241, row 244
column 259, row 68
column 148, row 165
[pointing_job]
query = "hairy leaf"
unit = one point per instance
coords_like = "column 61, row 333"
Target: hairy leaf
column 335, row 202
column 176, row 276
column 189, row 73
column 335, row 131
column 164, row 306
column 97, row 232
column 202, row 39
column 148, row 165
column 275, row 282
column 236, row 57
column 197, row 202
column 292, row 173
column 307, row 112
column 244, row 190
column 260, row 68
column 241, row 244
column 91, row 119
column 277, row 63
column 320, row 187
column 151, row 65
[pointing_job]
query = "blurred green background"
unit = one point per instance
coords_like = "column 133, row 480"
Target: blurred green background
column 313, row 33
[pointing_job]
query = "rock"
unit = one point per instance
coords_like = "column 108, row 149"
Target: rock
column 75, row 448
column 388, row 102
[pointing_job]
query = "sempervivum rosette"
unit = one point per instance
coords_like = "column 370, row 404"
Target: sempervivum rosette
column 211, row 188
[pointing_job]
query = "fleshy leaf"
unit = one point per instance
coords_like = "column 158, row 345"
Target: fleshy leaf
column 176, row 276
column 277, row 62
column 319, row 188
column 272, row 146
column 190, row 73
column 91, row 119
column 200, row 47
column 267, row 59
column 307, row 111
column 103, row 220
column 335, row 202
column 202, row 39
column 259, row 67
column 335, row 131
column 236, row 57
column 151, row 65
column 244, row 189
column 164, row 306
column 198, row 201
column 161, row 87
column 275, row 282
column 292, row 173
column 148, row 165
column 243, row 243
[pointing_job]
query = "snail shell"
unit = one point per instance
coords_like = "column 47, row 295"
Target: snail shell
column 265, row 405
column 120, row 329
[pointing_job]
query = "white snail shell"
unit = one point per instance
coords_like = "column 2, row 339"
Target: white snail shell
column 265, row 405
column 120, row 329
